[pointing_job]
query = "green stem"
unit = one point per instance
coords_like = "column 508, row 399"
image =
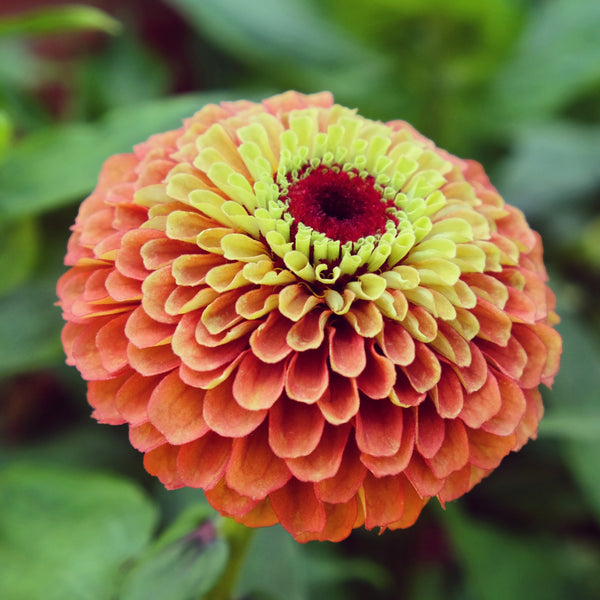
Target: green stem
column 238, row 537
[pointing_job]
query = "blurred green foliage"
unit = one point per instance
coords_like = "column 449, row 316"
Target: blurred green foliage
column 514, row 84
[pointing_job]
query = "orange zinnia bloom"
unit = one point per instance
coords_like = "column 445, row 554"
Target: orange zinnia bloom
column 319, row 319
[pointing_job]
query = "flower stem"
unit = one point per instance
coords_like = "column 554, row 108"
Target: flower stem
column 238, row 537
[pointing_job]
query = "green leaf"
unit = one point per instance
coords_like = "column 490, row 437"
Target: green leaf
column 5, row 133
column 183, row 564
column 557, row 59
column 125, row 73
column 67, row 533
column 582, row 457
column 18, row 250
column 30, row 328
column 283, row 575
column 292, row 31
column 550, row 165
column 498, row 565
column 58, row 20
column 59, row 165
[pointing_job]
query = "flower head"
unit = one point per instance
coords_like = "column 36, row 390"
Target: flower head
column 320, row 319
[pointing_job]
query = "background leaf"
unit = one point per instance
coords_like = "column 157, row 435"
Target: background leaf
column 66, row 533
column 58, row 19
column 184, row 563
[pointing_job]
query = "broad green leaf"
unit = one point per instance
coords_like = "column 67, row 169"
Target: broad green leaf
column 57, row 20
column 125, row 73
column 30, row 328
column 300, row 572
column 557, row 59
column 18, row 250
column 292, row 31
column 498, row 565
column 185, row 562
column 283, row 576
column 5, row 133
column 552, row 166
column 582, row 457
column 67, row 533
column 57, row 166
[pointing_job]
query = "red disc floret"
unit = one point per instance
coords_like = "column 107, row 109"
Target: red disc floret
column 342, row 205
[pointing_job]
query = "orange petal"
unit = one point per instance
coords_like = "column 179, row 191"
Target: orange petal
column 447, row 395
column 486, row 450
column 112, row 344
column 413, row 505
column 405, row 394
column 424, row 372
column 473, row 376
column 494, row 324
column 162, row 463
column 144, row 331
column 132, row 397
column 253, row 469
column 201, row 463
column 257, row 302
column 228, row 501
column 203, row 358
column 505, row 421
column 450, row 344
column 553, row 343
column 453, row 453
column 482, row 405
column 152, row 361
column 307, row 375
column 346, row 482
column 340, row 520
column 457, row 484
column 381, row 466
column 156, row 289
column 308, row 333
column 262, row 515
column 220, row 314
column 379, row 427
column 421, row 477
column 324, row 461
column 101, row 396
column 340, row 401
column 257, row 384
column 129, row 257
column 175, row 409
column 528, row 426
column 225, row 416
column 209, row 379
column 205, row 338
column 162, row 251
column 145, row 437
column 295, row 428
column 346, row 350
column 296, row 300
column 537, row 355
column 510, row 359
column 365, row 317
column 384, row 500
column 397, row 344
column 298, row 509
column 268, row 341
column 85, row 353
column 379, row 375
column 430, row 430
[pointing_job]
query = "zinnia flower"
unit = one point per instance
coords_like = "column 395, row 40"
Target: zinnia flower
column 319, row 319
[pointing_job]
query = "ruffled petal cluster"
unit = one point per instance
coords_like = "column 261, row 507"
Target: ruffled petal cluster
column 319, row 319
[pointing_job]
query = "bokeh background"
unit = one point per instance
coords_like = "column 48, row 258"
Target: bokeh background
column 514, row 84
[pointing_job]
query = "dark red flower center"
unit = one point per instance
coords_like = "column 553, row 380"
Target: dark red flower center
column 341, row 205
